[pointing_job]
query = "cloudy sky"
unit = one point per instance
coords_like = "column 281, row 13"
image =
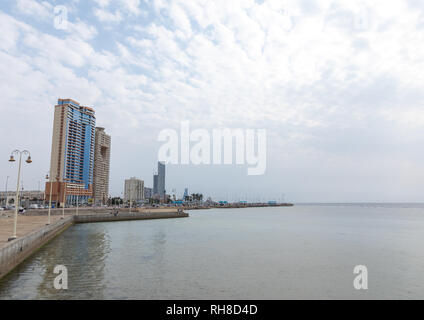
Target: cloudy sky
column 338, row 85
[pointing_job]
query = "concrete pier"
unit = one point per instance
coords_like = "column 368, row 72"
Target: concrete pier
column 14, row 252
column 128, row 216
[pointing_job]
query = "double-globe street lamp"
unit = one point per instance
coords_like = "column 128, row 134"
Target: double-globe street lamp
column 12, row 159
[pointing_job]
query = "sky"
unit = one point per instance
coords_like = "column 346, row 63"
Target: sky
column 337, row 85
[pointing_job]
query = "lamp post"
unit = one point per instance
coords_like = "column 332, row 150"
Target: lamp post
column 50, row 197
column 64, row 200
column 5, row 196
column 79, row 190
column 12, row 159
column 39, row 192
column 45, row 195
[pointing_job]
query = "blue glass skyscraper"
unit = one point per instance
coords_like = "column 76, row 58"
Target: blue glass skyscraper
column 72, row 158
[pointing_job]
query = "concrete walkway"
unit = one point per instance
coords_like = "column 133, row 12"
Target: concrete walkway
column 26, row 225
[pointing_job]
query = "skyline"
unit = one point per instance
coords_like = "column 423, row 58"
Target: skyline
column 336, row 86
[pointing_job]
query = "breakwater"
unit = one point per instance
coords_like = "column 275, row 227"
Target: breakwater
column 89, row 218
column 235, row 206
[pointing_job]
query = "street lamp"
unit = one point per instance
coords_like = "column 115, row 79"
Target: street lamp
column 12, row 159
column 78, row 193
column 64, row 200
column 50, row 197
column 5, row 196
column 39, row 192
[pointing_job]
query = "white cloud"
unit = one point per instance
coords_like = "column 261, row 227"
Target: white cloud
column 81, row 30
column 131, row 6
column 105, row 13
column 38, row 9
column 317, row 74
column 102, row 3
column 106, row 16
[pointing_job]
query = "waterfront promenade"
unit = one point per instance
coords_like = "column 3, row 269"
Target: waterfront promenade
column 26, row 225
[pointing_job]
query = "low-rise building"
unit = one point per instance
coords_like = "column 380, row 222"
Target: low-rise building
column 134, row 189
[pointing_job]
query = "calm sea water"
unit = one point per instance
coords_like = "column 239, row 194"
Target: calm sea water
column 302, row 252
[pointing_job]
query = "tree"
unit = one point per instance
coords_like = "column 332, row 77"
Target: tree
column 115, row 201
column 153, row 200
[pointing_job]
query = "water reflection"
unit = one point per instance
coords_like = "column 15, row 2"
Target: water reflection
column 158, row 263
column 82, row 249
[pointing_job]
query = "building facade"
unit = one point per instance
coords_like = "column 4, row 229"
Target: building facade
column 155, row 184
column 134, row 190
column 148, row 193
column 101, row 166
column 161, row 180
column 72, row 154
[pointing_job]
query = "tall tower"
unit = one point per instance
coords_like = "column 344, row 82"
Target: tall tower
column 155, row 184
column 101, row 166
column 161, row 180
column 72, row 155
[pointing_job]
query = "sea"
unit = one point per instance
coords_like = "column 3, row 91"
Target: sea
column 308, row 251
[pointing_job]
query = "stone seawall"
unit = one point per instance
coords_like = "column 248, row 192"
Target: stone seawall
column 127, row 216
column 18, row 250
column 15, row 252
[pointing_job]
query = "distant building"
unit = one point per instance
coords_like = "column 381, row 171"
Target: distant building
column 24, row 194
column 26, row 197
column 134, row 189
column 72, row 153
column 185, row 193
column 161, row 180
column 148, row 193
column 101, row 166
column 155, row 184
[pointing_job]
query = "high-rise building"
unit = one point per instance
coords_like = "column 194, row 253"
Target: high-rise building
column 101, row 166
column 185, row 193
column 134, row 189
column 72, row 154
column 161, row 180
column 155, row 184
